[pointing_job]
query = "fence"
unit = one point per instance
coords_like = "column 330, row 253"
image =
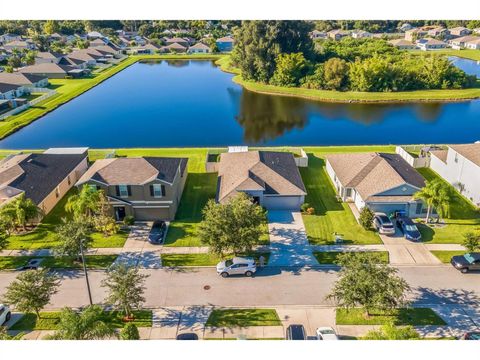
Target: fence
column 47, row 93
column 414, row 161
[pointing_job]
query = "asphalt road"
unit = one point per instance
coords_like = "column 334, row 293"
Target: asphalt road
column 270, row 287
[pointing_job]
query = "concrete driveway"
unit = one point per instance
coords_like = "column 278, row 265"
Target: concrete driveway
column 288, row 240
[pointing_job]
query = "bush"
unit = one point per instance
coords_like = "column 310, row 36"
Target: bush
column 391, row 332
column 366, row 218
column 311, row 211
column 129, row 332
column 129, row 220
column 305, row 207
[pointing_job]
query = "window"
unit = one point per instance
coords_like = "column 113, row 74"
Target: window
column 349, row 192
column 123, row 191
column 418, row 210
column 157, row 190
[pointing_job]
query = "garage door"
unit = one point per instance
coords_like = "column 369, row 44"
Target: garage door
column 282, row 202
column 151, row 214
column 387, row 208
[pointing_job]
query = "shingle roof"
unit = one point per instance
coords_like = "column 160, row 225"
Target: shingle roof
column 199, row 45
column 8, row 87
column 268, row 171
column 46, row 68
column 469, row 151
column 19, row 78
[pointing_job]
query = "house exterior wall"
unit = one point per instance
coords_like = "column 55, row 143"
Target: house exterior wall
column 224, row 46
column 281, row 202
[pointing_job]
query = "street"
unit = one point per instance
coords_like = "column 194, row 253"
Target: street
column 270, row 287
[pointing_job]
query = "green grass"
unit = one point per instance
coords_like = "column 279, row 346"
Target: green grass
column 330, row 257
column 243, row 318
column 50, row 320
column 445, row 256
column 13, row 262
column 92, row 262
column 463, row 217
column 464, row 53
column 406, row 316
column 173, row 260
column 351, row 96
column 330, row 215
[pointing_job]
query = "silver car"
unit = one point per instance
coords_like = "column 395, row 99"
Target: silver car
column 237, row 266
column 383, row 224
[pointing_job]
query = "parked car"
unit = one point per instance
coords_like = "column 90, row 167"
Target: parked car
column 296, row 332
column 237, row 266
column 187, row 336
column 157, row 232
column 32, row 264
column 409, row 229
column 467, row 262
column 472, row 335
column 5, row 314
column 326, row 333
column 383, row 224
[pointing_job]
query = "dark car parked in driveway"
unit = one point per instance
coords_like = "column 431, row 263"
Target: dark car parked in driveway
column 467, row 262
column 408, row 228
column 296, row 332
column 32, row 264
column 157, row 232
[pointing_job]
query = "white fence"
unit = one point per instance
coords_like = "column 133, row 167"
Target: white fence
column 416, row 162
column 47, row 93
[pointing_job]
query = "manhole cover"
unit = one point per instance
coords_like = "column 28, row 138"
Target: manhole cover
column 206, row 287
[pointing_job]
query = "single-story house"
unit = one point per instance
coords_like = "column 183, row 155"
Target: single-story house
column 427, row 44
column 437, row 31
column 361, row 34
column 9, row 37
column 405, row 27
column 473, row 44
column 9, row 91
column 19, row 45
column 316, row 34
column 337, row 34
column 177, row 40
column 98, row 42
column 271, row 178
column 25, row 80
column 44, row 178
column 48, row 57
column 402, row 44
column 460, row 42
column 383, row 182
column 199, row 48
column 147, row 188
column 94, row 35
column 88, row 56
column 225, row 44
column 459, row 31
column 52, row 71
column 145, row 49
column 415, row 33
column 108, row 50
column 175, row 48
column 460, row 166
column 75, row 63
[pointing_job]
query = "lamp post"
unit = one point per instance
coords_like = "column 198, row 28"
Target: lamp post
column 86, row 274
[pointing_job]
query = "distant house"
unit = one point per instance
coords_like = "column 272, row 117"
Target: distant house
column 9, row 37
column 225, row 44
column 148, row 188
column 460, row 166
column 25, row 80
column 316, row 34
column 415, row 33
column 383, row 182
column 94, row 35
column 199, row 48
column 56, row 37
column 428, row 44
column 88, row 56
column 145, row 49
column 177, row 40
column 174, row 48
column 98, row 42
column 460, row 31
column 110, row 51
column 473, row 44
column 9, row 91
column 461, row 42
column 44, row 178
column 53, row 71
column 361, row 34
column 19, row 45
column 272, row 179
column 337, row 34
column 402, row 44
column 437, row 31
column 48, row 57
column 405, row 27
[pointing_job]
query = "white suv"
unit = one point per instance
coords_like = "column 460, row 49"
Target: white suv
column 383, row 224
column 237, row 266
column 5, row 314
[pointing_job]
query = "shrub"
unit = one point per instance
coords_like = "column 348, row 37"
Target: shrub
column 366, row 218
column 305, row 207
column 129, row 332
column 311, row 211
column 129, row 220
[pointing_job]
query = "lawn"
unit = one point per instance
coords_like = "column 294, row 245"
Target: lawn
column 50, row 320
column 43, row 237
column 331, row 215
column 330, row 257
column 463, row 217
column 92, row 262
column 405, row 316
column 243, row 318
column 173, row 260
column 445, row 256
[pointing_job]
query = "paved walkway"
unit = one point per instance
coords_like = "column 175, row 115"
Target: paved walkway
column 288, row 240
column 405, row 252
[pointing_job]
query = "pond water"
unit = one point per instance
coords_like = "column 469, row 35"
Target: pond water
column 193, row 103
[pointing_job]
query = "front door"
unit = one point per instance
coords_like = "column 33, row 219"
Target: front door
column 119, row 213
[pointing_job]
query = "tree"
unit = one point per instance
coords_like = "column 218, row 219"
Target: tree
column 105, row 224
column 391, row 332
column 427, row 195
column 31, row 291
column 88, row 324
column 231, row 227
column 335, row 72
column 436, row 194
column 4, row 335
column 364, row 283
column 14, row 61
column 21, row 210
column 366, row 218
column 129, row 332
column 471, row 241
column 290, row 68
column 50, row 27
column 71, row 234
column 84, row 204
column 125, row 288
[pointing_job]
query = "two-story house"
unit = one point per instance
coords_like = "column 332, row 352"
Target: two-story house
column 147, row 188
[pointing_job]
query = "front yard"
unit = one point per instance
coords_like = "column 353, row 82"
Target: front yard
column 445, row 256
column 173, row 260
column 63, row 262
column 243, row 318
column 330, row 257
column 405, row 316
column 463, row 218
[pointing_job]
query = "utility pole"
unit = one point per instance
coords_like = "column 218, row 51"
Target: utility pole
column 86, row 274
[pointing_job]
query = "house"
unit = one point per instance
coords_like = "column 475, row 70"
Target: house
column 92, row 35
column 9, row 37
column 109, row 50
column 316, row 34
column 9, row 91
column 337, row 34
column 460, row 31
column 25, row 80
column 177, row 40
column 199, row 48
column 460, row 166
column 19, row 45
column 53, row 71
column 175, row 47
column 437, row 31
column 430, row 44
column 225, row 44
column 460, row 42
column 48, row 57
column 473, row 44
column 416, row 33
column 383, row 182
column 98, row 42
column 56, row 37
column 44, row 178
column 405, row 27
column 88, row 56
column 402, row 44
column 145, row 49
column 361, row 34
column 75, row 63
column 147, row 188
column 271, row 178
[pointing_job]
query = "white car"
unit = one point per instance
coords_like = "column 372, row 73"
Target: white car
column 5, row 314
column 326, row 333
column 237, row 266
column 383, row 224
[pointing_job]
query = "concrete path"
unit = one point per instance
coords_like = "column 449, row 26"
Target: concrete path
column 405, row 252
column 288, row 240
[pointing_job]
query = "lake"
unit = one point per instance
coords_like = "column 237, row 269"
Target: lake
column 194, row 104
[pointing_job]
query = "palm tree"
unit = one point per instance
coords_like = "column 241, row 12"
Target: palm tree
column 427, row 194
column 21, row 210
column 88, row 324
column 435, row 194
column 85, row 203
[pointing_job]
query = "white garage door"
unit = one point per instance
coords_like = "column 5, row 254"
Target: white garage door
column 282, row 202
